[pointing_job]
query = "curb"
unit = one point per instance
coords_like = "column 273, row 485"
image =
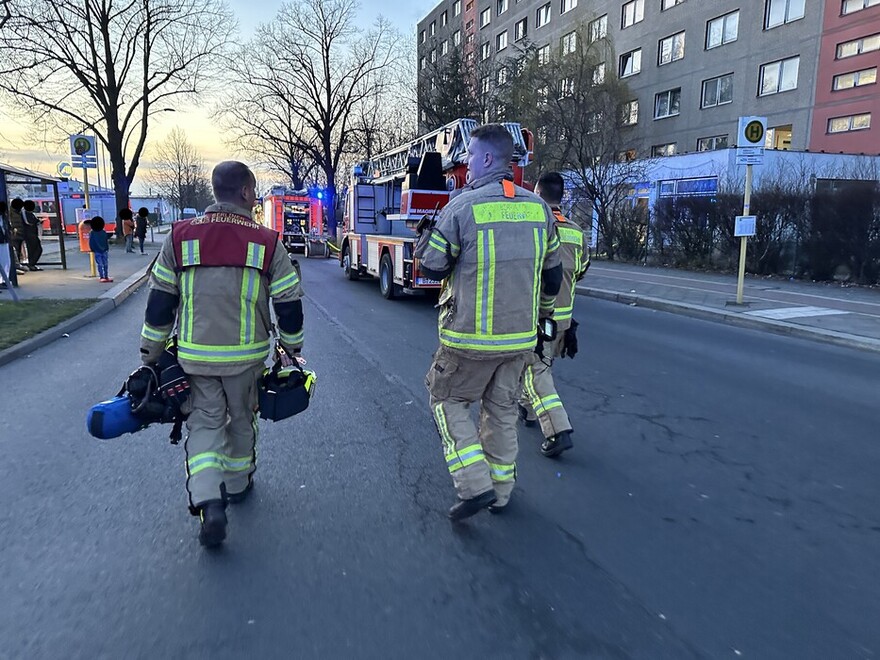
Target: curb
column 711, row 314
column 107, row 302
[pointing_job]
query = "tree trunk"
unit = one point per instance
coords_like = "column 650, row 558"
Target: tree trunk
column 331, row 202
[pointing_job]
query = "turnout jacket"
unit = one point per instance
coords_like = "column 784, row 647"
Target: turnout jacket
column 575, row 261
column 495, row 247
column 214, row 277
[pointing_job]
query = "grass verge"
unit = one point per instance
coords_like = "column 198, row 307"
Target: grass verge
column 24, row 319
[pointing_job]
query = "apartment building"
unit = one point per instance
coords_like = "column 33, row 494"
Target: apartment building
column 694, row 67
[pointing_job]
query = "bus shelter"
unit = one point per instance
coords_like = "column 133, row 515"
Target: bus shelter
column 13, row 179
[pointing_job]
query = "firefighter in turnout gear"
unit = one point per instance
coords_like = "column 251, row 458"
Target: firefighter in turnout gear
column 539, row 393
column 495, row 248
column 214, row 277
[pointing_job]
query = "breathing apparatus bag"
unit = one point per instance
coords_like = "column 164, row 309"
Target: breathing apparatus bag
column 285, row 391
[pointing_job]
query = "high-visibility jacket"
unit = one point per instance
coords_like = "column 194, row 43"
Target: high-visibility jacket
column 223, row 268
column 575, row 260
column 492, row 242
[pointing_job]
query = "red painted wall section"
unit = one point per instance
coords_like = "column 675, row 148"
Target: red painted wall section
column 858, row 100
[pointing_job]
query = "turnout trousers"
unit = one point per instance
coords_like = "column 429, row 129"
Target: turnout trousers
column 222, row 441
column 479, row 459
column 539, row 395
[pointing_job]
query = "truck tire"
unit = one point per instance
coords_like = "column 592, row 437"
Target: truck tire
column 350, row 273
column 389, row 289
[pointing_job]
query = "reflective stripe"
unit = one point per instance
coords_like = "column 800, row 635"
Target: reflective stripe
column 186, row 302
column 238, row 464
column 283, row 284
column 464, row 457
column 488, row 343
column 563, row 313
column 250, row 291
column 554, row 244
column 208, row 460
column 189, row 253
column 546, row 404
column 256, row 254
column 569, row 235
column 164, row 274
column 154, row 334
column 539, row 237
column 295, row 338
column 529, row 387
column 440, row 243
column 437, row 244
column 492, row 212
column 482, row 307
column 443, row 430
column 502, row 472
column 208, row 353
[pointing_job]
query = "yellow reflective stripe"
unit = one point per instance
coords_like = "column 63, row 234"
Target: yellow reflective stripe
column 529, row 212
column 250, row 292
column 529, row 387
column 256, row 254
column 283, row 284
column 569, row 235
column 210, row 353
column 563, row 313
column 500, row 337
column 164, row 274
column 295, row 338
column 481, row 288
column 445, row 436
column 464, row 457
column 186, row 300
column 488, row 345
column 189, row 253
column 154, row 334
column 538, row 236
column 491, row 278
column 502, row 471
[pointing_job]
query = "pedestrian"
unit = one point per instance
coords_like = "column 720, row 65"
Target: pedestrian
column 539, row 398
column 128, row 227
column 99, row 244
column 215, row 275
column 32, row 227
column 5, row 247
column 496, row 250
column 140, row 229
column 16, row 224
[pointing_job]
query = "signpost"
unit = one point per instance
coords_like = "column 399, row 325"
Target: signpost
column 749, row 151
column 83, row 154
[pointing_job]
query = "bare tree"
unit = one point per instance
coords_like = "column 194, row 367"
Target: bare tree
column 5, row 12
column 108, row 67
column 179, row 174
column 330, row 67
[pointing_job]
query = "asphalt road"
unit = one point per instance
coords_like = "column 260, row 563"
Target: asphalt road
column 721, row 501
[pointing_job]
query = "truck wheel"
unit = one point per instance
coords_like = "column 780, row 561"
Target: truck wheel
column 326, row 250
column 389, row 289
column 350, row 273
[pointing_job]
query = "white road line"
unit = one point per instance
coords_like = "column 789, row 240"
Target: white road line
column 784, row 313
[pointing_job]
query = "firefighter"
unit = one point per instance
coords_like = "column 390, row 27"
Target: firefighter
column 215, row 275
column 496, row 250
column 539, row 393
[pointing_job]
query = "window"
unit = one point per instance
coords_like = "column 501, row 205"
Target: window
column 569, row 43
column 631, row 63
column 433, row 28
column 521, row 29
column 444, row 19
column 469, row 24
column 669, row 4
column 671, row 49
column 712, row 143
column 501, row 7
column 485, row 17
column 501, row 77
column 456, row 37
column 667, row 104
column 850, row 123
column 722, row 30
column 855, row 79
column 543, row 16
column 660, row 150
column 627, row 156
column 780, row 12
column 469, row 6
column 422, row 37
column 501, row 41
column 433, row 84
column 859, row 46
column 598, row 28
column 849, row 6
column 456, row 7
column 433, row 57
column 779, row 76
column 633, row 12
column 423, row 63
column 599, row 74
column 568, row 5
column 717, row 91
column 485, row 51
column 566, row 87
column 630, row 113
column 444, row 47
column 470, row 39
column 484, row 84
column 778, row 137
column 543, row 55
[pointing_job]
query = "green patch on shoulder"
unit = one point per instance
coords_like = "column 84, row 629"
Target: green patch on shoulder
column 24, row 319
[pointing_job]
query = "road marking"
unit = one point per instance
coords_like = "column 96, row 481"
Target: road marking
column 784, row 313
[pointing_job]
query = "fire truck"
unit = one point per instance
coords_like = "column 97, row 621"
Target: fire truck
column 390, row 194
column 297, row 216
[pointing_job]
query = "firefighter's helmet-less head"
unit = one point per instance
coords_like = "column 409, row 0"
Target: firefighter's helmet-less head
column 285, row 391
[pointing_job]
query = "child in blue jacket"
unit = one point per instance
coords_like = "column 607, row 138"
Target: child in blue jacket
column 100, row 247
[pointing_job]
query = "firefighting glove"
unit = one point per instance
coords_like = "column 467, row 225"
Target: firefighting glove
column 173, row 383
column 570, row 340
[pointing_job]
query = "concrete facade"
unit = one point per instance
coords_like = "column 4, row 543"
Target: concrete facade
column 768, row 32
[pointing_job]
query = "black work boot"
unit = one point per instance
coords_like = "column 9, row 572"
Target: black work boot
column 466, row 508
column 213, row 517
column 238, row 498
column 524, row 416
column 557, row 444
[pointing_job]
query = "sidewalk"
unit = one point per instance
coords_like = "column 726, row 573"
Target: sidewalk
column 842, row 315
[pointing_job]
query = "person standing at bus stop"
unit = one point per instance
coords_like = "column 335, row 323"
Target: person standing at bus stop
column 32, row 228
column 127, row 229
column 140, row 227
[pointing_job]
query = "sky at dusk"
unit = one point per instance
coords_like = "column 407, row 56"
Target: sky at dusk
column 17, row 142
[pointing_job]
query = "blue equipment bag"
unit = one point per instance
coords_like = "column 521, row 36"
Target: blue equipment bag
column 113, row 418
